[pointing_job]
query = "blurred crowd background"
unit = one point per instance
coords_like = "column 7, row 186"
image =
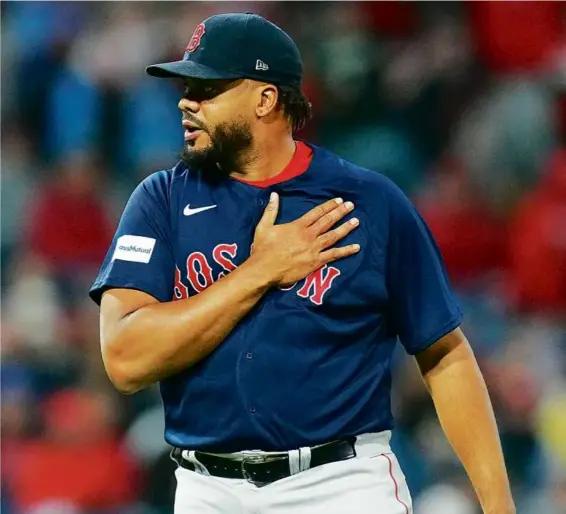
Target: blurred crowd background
column 462, row 104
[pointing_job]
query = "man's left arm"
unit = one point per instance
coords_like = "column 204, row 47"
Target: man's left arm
column 456, row 385
column 426, row 314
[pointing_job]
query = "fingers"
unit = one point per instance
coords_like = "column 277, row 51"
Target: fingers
column 270, row 212
column 332, row 237
column 329, row 220
column 320, row 210
column 338, row 253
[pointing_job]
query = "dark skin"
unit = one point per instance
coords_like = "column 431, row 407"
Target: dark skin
column 248, row 104
column 461, row 399
column 188, row 330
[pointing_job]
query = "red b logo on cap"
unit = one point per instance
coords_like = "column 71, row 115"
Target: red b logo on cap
column 195, row 39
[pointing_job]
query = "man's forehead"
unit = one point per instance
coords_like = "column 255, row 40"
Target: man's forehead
column 189, row 81
column 244, row 81
column 220, row 84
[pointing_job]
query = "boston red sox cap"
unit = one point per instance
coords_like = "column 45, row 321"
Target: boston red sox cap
column 237, row 45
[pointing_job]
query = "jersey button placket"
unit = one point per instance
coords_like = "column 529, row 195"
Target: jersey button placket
column 249, row 356
column 262, row 200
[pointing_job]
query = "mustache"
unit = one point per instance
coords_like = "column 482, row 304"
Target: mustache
column 194, row 122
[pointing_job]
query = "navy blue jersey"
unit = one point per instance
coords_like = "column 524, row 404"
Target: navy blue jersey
column 311, row 362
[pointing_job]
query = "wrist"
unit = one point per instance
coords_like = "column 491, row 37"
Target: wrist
column 260, row 272
column 507, row 507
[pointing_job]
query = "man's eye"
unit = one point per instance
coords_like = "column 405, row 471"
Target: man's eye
column 203, row 92
column 210, row 91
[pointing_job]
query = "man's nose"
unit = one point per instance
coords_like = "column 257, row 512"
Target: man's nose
column 185, row 104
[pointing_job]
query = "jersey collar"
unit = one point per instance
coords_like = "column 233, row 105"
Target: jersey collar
column 298, row 164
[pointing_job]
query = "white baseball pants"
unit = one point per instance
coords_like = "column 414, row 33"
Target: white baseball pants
column 371, row 483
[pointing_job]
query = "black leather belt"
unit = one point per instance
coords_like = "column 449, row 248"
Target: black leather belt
column 266, row 469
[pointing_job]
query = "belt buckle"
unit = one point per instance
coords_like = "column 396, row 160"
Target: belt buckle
column 250, row 458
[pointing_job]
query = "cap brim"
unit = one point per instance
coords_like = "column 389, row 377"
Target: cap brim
column 188, row 69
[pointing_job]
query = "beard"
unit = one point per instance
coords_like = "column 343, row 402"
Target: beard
column 228, row 151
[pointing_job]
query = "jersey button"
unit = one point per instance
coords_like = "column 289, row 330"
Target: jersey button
column 249, row 355
column 252, row 410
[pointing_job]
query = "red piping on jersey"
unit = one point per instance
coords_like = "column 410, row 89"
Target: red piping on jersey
column 298, row 164
column 395, row 483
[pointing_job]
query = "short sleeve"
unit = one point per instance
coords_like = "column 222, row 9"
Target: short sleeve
column 423, row 305
column 140, row 255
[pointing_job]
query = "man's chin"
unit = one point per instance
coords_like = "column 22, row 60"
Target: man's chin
column 202, row 160
column 219, row 154
column 200, row 144
column 192, row 155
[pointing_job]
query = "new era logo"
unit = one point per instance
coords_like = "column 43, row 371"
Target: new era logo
column 260, row 65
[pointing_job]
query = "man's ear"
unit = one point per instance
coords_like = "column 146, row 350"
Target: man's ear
column 267, row 100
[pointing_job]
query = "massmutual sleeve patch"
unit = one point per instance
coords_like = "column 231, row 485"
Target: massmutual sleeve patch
column 134, row 248
column 141, row 256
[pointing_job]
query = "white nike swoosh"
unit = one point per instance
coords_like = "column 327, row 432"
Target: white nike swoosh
column 189, row 212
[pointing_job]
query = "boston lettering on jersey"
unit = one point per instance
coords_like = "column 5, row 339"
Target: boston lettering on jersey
column 311, row 361
column 200, row 275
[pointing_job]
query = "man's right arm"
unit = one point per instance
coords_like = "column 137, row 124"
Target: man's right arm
column 145, row 341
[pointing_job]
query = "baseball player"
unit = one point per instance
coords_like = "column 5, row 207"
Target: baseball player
column 263, row 282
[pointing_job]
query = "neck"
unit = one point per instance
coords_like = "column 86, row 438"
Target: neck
column 267, row 158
